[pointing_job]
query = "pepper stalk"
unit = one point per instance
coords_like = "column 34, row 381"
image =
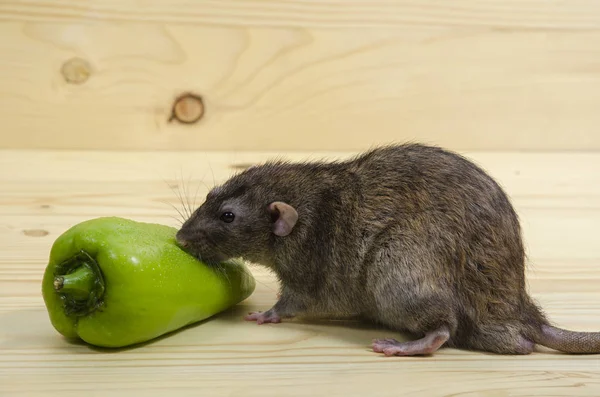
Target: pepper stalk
column 80, row 283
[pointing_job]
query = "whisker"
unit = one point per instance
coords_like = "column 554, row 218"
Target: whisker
column 175, row 193
column 198, row 188
column 182, row 220
column 211, row 171
column 224, row 272
column 180, row 195
column 187, row 196
column 177, row 220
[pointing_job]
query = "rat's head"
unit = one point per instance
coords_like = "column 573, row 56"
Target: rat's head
column 237, row 220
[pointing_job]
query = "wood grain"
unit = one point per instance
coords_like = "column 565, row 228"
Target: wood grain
column 525, row 14
column 303, row 74
column 43, row 193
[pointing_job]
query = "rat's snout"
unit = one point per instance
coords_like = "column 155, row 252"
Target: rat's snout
column 181, row 242
column 184, row 238
column 196, row 243
column 190, row 237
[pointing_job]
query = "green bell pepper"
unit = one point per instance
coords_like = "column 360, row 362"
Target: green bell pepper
column 114, row 282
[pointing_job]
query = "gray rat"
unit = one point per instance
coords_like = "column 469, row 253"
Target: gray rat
column 409, row 236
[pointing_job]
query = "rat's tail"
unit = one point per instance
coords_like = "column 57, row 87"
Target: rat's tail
column 568, row 341
column 539, row 331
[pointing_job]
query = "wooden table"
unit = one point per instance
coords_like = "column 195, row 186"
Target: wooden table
column 43, row 193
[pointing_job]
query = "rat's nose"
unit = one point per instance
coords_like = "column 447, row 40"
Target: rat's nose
column 182, row 243
column 181, row 240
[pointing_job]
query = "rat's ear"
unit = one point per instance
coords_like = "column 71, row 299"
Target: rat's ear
column 284, row 218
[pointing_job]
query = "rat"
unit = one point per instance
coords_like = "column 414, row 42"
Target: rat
column 412, row 237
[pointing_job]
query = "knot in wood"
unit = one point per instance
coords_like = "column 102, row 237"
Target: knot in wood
column 188, row 108
column 76, row 71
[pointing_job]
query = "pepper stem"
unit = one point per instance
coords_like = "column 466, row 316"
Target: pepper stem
column 80, row 282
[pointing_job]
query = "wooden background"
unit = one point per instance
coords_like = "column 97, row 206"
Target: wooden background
column 302, row 74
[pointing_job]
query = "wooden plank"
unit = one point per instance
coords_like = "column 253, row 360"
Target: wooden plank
column 530, row 14
column 48, row 191
column 302, row 75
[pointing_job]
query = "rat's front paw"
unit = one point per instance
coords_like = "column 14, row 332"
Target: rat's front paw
column 263, row 317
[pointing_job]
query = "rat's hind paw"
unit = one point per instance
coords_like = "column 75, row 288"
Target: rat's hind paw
column 263, row 317
column 390, row 347
column 424, row 346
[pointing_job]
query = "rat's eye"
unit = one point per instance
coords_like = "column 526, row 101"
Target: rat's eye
column 227, row 217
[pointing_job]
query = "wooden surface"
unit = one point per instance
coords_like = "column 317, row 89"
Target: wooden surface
column 469, row 75
column 43, row 193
